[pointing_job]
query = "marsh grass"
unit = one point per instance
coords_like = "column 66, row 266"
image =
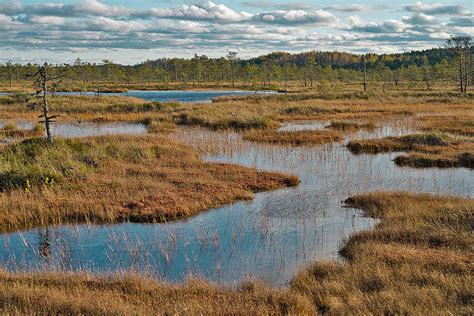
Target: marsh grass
column 240, row 121
column 425, row 150
column 295, row 138
column 109, row 179
column 350, row 126
column 415, row 261
column 10, row 126
column 161, row 126
column 454, row 124
column 10, row 130
column 132, row 294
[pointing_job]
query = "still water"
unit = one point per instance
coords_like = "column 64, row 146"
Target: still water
column 204, row 96
column 268, row 238
column 85, row 129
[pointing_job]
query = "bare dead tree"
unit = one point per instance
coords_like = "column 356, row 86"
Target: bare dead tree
column 461, row 47
column 45, row 85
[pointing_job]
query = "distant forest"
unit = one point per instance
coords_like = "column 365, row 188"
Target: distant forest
column 272, row 70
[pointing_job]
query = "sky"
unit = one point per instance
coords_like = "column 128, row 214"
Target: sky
column 130, row 32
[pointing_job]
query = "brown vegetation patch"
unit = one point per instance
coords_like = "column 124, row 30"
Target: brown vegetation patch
column 448, row 160
column 350, row 126
column 109, row 179
column 125, row 295
column 426, row 150
column 454, row 124
column 297, row 138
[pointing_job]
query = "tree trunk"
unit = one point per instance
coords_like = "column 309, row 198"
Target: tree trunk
column 44, row 79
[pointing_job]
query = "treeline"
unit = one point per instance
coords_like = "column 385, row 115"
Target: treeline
column 272, row 70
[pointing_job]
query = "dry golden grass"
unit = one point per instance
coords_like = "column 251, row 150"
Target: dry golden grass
column 454, row 124
column 108, row 179
column 425, row 150
column 296, row 138
column 418, row 260
column 125, row 295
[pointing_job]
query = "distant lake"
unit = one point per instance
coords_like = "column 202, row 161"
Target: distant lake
column 204, row 96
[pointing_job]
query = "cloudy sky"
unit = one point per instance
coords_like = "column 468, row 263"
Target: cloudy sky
column 132, row 31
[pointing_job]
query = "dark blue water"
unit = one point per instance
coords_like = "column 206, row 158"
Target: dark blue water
column 178, row 96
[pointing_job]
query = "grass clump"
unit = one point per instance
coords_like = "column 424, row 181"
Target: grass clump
column 308, row 110
column 229, row 122
column 10, row 126
column 350, row 126
column 159, row 126
column 425, row 150
column 415, row 142
column 108, row 179
column 296, row 138
column 429, row 139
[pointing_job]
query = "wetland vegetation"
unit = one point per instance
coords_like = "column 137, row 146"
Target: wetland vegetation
column 282, row 162
column 416, row 260
column 424, row 150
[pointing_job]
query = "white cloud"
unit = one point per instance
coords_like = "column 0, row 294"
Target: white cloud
column 437, row 8
column 94, row 7
column 51, row 20
column 353, row 7
column 420, row 19
column 82, row 8
column 107, row 24
column 206, row 12
column 295, row 17
column 389, row 26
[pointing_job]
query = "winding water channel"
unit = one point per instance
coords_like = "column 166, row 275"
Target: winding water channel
column 268, row 238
